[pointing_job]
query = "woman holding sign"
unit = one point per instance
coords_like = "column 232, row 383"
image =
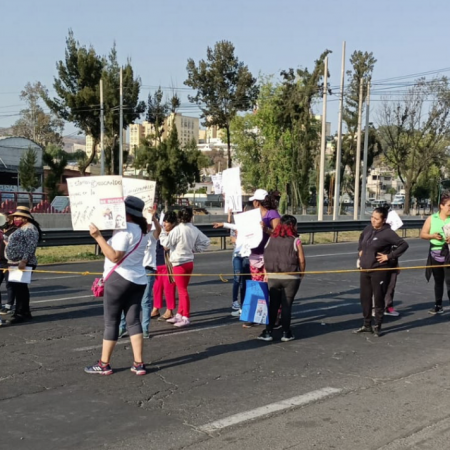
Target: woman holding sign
column 268, row 205
column 125, row 284
column 21, row 253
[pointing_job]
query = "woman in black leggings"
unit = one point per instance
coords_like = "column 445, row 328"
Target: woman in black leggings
column 284, row 259
column 124, row 286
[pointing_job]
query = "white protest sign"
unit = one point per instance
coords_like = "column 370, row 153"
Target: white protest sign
column 97, row 200
column 249, row 231
column 143, row 189
column 217, row 183
column 231, row 187
column 393, row 219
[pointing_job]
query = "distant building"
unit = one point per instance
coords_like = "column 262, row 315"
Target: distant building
column 12, row 149
column 187, row 127
column 90, row 143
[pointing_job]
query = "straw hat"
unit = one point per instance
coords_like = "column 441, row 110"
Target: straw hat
column 22, row 211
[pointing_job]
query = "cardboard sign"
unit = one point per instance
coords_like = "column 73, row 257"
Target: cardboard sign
column 231, row 187
column 217, row 183
column 249, row 231
column 97, row 200
column 143, row 189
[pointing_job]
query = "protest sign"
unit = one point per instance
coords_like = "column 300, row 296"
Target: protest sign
column 97, row 200
column 393, row 219
column 143, row 189
column 217, row 183
column 249, row 230
column 231, row 187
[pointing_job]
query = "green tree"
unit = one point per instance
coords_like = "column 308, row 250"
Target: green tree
column 300, row 129
column 35, row 124
column 56, row 159
column 224, row 87
column 415, row 131
column 173, row 168
column 77, row 100
column 28, row 177
column 362, row 64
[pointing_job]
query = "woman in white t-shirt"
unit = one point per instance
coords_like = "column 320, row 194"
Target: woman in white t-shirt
column 124, row 286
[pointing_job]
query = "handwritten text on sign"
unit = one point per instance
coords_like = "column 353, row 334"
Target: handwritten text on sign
column 143, row 189
column 231, row 187
column 97, row 200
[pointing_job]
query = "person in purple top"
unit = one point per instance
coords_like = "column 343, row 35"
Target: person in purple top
column 267, row 204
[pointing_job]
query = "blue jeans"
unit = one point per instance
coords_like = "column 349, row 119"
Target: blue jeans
column 146, row 303
column 241, row 265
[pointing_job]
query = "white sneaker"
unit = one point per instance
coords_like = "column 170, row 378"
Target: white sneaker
column 236, row 313
column 183, row 322
column 236, row 306
column 176, row 318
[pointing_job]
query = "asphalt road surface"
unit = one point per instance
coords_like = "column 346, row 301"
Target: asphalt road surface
column 215, row 386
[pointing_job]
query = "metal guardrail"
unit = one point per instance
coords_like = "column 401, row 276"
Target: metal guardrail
column 61, row 237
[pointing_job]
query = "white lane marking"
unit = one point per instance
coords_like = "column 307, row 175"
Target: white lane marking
column 245, row 416
column 61, row 299
column 57, row 278
column 333, row 254
column 196, row 330
column 32, row 291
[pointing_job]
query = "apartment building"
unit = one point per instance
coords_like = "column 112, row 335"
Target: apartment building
column 187, row 127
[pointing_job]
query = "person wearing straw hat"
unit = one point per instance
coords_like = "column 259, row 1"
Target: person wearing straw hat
column 20, row 250
column 7, row 229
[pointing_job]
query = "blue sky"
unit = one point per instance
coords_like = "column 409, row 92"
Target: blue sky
column 406, row 37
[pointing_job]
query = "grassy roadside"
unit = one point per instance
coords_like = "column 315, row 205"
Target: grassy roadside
column 75, row 253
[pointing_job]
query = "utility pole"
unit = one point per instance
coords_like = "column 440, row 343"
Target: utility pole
column 337, row 186
column 102, row 131
column 366, row 151
column 323, row 143
column 121, row 124
column 358, row 152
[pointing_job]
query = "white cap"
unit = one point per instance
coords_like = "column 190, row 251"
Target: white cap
column 260, row 195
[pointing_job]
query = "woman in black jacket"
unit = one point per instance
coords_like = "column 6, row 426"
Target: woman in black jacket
column 379, row 247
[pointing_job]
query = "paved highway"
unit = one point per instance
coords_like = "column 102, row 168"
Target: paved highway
column 214, row 386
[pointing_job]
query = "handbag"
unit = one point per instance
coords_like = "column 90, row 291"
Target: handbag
column 256, row 303
column 98, row 286
column 169, row 267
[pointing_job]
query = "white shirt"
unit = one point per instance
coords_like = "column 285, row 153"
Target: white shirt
column 150, row 251
column 125, row 241
column 183, row 241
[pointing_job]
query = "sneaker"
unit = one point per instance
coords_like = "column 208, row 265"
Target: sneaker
column 99, row 368
column 236, row 306
column 235, row 313
column 122, row 332
column 266, row 335
column 287, row 336
column 376, row 331
column 391, row 312
column 183, row 322
column 436, row 310
column 363, row 329
column 5, row 311
column 176, row 318
column 145, row 334
column 138, row 369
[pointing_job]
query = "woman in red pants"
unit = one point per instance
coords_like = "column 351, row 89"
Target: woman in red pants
column 183, row 241
column 163, row 285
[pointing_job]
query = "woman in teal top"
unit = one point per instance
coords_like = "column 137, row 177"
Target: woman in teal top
column 439, row 254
